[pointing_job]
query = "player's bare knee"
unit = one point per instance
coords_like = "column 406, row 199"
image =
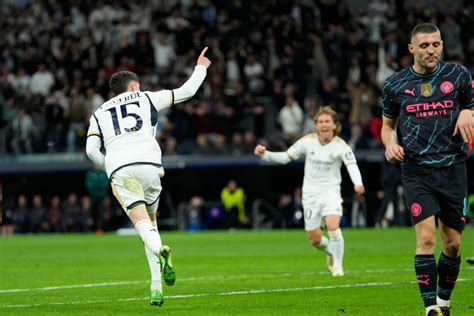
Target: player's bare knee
column 426, row 242
column 452, row 248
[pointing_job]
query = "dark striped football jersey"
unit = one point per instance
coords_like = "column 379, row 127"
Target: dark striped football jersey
column 427, row 107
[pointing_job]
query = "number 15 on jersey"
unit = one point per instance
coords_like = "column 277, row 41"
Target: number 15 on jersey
column 124, row 111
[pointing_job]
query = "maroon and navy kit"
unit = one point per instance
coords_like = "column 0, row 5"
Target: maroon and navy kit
column 427, row 108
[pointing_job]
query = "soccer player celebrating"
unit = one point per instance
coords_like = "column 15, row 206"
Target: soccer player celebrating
column 432, row 100
column 125, row 126
column 322, row 200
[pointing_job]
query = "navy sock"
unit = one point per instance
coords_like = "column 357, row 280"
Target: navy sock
column 448, row 271
column 426, row 274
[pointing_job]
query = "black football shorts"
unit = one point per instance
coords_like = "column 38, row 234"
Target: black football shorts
column 442, row 191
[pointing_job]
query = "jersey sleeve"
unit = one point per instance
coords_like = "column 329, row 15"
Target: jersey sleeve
column 94, row 129
column 466, row 90
column 390, row 108
column 348, row 157
column 160, row 99
column 297, row 149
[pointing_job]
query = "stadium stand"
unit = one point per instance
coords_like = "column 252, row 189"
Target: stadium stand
column 57, row 56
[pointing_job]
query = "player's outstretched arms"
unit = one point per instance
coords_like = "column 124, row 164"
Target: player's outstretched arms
column 465, row 125
column 191, row 86
column 260, row 150
column 281, row 157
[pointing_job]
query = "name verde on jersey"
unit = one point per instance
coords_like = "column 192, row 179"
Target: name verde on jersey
column 126, row 124
column 127, row 110
column 427, row 107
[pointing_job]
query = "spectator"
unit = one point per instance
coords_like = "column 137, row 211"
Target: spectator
column 164, row 53
column 78, row 116
column 37, row 215
column 451, row 31
column 233, row 198
column 291, row 118
column 70, row 217
column 312, row 107
column 254, row 72
column 92, row 100
column 22, row 130
column 6, row 217
column 41, row 81
column 85, row 218
column 54, row 215
column 21, row 215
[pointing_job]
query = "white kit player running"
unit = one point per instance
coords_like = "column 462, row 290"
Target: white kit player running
column 322, row 200
column 125, row 126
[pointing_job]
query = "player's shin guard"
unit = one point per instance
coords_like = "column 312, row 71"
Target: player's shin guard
column 426, row 275
column 448, row 271
column 154, row 265
column 149, row 235
column 336, row 246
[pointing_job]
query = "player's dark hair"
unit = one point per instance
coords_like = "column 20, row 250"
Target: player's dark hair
column 329, row 111
column 119, row 81
column 425, row 28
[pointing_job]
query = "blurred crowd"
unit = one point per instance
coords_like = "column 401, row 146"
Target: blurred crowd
column 274, row 64
column 44, row 214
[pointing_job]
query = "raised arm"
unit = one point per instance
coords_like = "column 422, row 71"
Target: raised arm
column 393, row 151
column 276, row 157
column 190, row 87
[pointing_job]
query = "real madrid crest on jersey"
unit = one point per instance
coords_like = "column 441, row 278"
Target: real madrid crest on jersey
column 426, row 89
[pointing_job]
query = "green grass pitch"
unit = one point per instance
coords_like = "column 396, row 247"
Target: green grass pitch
column 219, row 273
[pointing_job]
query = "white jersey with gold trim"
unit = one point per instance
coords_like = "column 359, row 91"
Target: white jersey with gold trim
column 126, row 125
column 322, row 169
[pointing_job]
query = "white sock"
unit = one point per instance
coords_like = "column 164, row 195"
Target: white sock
column 323, row 245
column 149, row 235
column 336, row 246
column 429, row 308
column 442, row 303
column 154, row 265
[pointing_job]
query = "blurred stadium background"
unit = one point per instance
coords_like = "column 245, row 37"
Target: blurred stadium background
column 274, row 64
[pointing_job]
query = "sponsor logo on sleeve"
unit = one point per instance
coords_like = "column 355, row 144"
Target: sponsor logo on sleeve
column 349, row 155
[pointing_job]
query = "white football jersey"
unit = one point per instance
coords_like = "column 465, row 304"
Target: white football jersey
column 126, row 125
column 322, row 169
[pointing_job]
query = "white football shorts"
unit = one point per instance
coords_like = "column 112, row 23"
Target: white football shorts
column 316, row 210
column 137, row 184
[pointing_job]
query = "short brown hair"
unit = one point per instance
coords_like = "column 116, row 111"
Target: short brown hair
column 329, row 111
column 119, row 81
column 425, row 28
